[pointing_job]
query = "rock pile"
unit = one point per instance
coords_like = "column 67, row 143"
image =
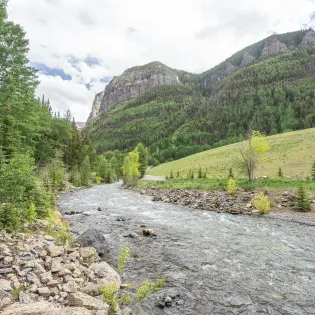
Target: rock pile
column 38, row 277
column 211, row 201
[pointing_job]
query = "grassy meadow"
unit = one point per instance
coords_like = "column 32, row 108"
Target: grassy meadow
column 293, row 151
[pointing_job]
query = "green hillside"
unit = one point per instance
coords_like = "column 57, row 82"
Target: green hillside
column 275, row 92
column 294, row 152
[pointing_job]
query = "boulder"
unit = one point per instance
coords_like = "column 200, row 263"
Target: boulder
column 87, row 301
column 45, row 292
column 55, row 251
column 5, row 299
column 106, row 272
column 94, row 238
column 70, row 287
column 5, row 285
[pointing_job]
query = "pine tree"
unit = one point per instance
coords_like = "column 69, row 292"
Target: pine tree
column 85, row 171
column 280, row 174
column 177, row 174
column 171, row 175
column 302, row 200
column 200, row 173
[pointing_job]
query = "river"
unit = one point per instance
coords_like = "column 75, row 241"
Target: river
column 212, row 263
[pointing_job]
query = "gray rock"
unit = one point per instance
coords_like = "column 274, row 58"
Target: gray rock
column 45, row 277
column 27, row 256
column 55, row 251
column 24, row 298
column 56, row 265
column 5, row 271
column 105, row 271
column 273, row 46
column 87, row 301
column 70, row 287
column 44, row 291
column 5, row 285
column 5, row 299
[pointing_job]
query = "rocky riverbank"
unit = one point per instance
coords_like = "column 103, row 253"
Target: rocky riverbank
column 39, row 277
column 283, row 204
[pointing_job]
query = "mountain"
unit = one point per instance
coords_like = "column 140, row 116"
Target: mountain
column 269, row 84
column 135, row 81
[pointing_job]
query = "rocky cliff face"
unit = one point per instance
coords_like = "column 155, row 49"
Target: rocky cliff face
column 308, row 39
column 96, row 105
column 132, row 82
column 273, row 47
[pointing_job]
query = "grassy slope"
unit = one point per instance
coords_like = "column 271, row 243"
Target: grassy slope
column 294, row 152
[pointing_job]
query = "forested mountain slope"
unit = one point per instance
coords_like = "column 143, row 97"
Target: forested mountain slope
column 270, row 84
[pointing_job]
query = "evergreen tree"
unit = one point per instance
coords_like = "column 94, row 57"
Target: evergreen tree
column 302, row 200
column 231, row 175
column 75, row 176
column 200, row 175
column 85, row 171
column 280, row 174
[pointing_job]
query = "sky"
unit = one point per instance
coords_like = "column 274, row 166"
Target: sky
column 79, row 45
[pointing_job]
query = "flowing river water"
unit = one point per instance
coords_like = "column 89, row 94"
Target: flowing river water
column 212, row 263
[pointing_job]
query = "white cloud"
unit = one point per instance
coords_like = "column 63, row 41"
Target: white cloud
column 192, row 35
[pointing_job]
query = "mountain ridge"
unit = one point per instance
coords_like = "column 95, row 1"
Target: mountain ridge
column 139, row 79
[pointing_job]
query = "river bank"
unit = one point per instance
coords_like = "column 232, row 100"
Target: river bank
column 212, row 263
column 40, row 276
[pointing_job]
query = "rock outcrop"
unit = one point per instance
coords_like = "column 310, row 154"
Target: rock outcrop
column 96, row 105
column 132, row 82
column 247, row 59
column 308, row 39
column 273, row 47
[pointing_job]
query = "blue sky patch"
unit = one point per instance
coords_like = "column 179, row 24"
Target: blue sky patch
column 51, row 71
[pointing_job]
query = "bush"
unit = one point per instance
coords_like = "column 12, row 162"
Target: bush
column 261, row 203
column 110, row 296
column 302, row 201
column 200, row 173
column 171, row 175
column 313, row 171
column 280, row 174
column 231, row 187
column 75, row 176
column 123, row 258
column 149, row 288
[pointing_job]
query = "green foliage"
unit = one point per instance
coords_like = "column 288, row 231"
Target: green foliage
column 313, row 171
column 126, row 299
column 130, row 168
column 261, row 203
column 110, row 296
column 177, row 174
column 200, row 175
column 143, row 158
column 190, row 174
column 231, row 175
column 147, row 288
column 231, row 187
column 252, row 152
column 205, row 175
column 302, row 200
column 85, row 171
column 280, row 173
column 75, row 176
column 171, row 175
column 123, row 258
column 16, row 291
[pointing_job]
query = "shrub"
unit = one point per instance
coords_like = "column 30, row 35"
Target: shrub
column 231, row 175
column 261, row 202
column 126, row 299
column 177, row 174
column 149, row 288
column 123, row 258
column 171, row 175
column 200, row 173
column 205, row 175
column 280, row 174
column 110, row 296
column 302, row 201
column 190, row 174
column 75, row 177
column 231, row 187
